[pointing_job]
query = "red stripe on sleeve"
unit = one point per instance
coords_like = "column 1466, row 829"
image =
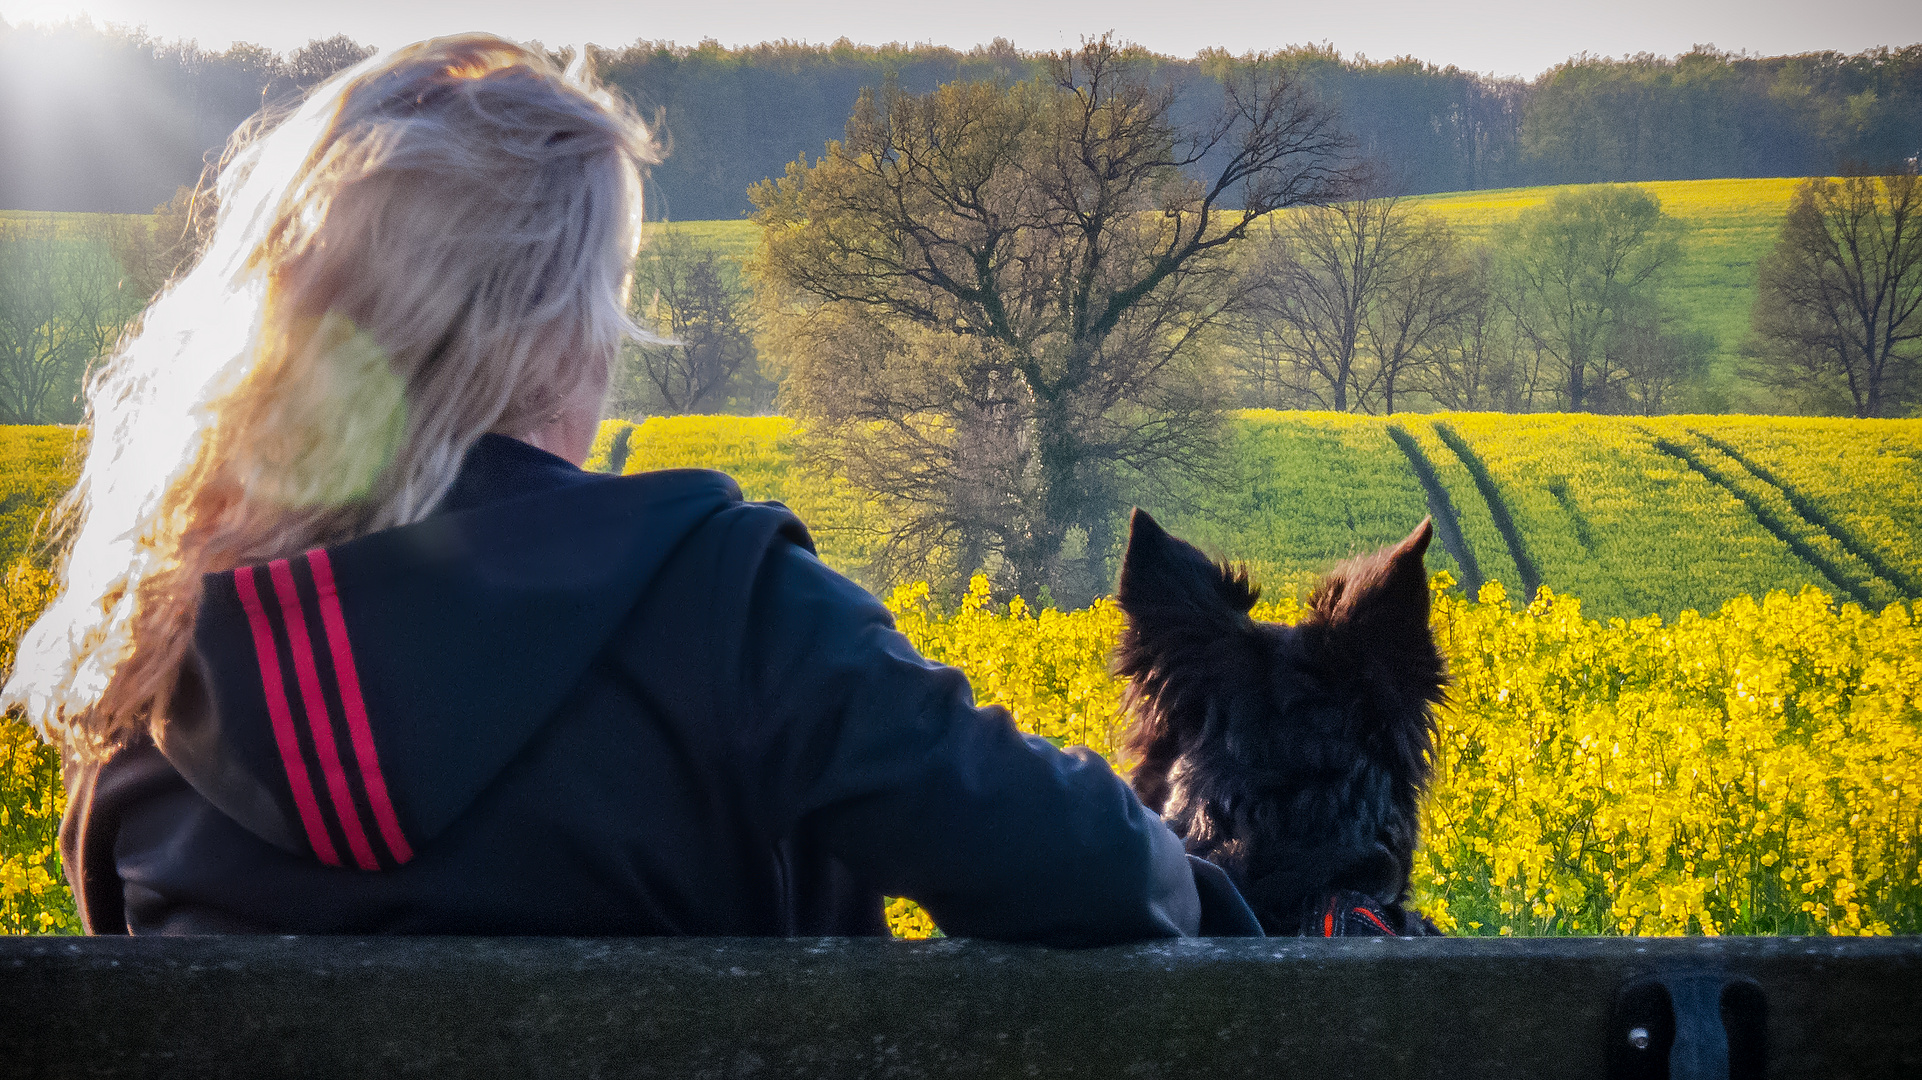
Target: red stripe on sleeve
column 358, row 728
column 318, row 721
column 1370, row 916
column 282, row 718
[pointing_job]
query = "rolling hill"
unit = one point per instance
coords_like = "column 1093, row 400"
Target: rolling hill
column 1731, row 224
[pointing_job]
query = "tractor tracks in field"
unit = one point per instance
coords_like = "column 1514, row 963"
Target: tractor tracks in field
column 1906, row 583
column 1769, row 517
column 1441, row 508
column 1497, row 507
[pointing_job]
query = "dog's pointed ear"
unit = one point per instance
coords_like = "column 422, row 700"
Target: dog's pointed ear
column 1165, row 577
column 1416, row 546
column 1376, row 607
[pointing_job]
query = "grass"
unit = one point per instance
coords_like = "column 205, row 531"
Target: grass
column 1596, row 507
column 71, row 223
column 1608, row 516
column 736, row 239
column 1633, row 516
column 1314, row 488
column 759, row 451
column 1473, row 516
column 1861, row 479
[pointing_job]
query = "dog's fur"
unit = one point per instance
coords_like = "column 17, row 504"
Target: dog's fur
column 1290, row 756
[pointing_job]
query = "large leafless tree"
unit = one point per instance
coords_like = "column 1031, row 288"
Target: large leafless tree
column 992, row 300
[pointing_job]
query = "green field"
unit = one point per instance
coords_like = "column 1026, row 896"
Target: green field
column 1632, row 516
column 71, row 223
column 1730, row 224
column 736, row 239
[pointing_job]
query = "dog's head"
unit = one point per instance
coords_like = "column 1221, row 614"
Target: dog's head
column 1273, row 745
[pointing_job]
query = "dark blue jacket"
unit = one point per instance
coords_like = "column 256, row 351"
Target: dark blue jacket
column 576, row 704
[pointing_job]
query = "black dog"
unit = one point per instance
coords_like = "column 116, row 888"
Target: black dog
column 1290, row 756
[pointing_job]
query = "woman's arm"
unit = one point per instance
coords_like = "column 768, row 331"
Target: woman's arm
column 882, row 758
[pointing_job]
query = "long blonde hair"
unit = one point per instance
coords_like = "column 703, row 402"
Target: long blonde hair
column 434, row 245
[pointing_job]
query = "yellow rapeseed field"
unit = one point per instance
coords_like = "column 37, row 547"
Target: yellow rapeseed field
column 33, row 893
column 1758, row 770
column 759, row 453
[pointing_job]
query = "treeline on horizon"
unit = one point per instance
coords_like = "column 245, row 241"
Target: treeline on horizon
column 114, row 120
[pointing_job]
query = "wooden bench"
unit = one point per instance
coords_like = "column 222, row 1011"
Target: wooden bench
column 720, row 1007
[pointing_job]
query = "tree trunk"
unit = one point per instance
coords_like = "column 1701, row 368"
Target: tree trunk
column 1577, row 387
column 1061, row 503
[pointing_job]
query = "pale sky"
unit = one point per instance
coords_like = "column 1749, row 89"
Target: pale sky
column 1506, row 37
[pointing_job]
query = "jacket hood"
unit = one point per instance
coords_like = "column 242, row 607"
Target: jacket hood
column 351, row 702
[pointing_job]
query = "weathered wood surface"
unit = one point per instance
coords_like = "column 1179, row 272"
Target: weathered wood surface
column 696, row 1008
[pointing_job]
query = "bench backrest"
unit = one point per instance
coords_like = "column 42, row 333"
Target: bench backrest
column 684, row 1008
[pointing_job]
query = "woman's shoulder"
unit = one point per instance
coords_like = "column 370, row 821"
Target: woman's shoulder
column 500, row 469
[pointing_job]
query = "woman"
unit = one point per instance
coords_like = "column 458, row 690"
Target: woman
column 349, row 644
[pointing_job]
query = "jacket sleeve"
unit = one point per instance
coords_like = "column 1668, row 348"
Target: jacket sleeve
column 881, row 757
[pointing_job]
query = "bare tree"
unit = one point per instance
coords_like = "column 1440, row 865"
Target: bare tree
column 1426, row 292
column 1314, row 275
column 320, row 58
column 1344, row 301
column 35, row 351
column 1477, row 361
column 694, row 299
column 1838, row 311
column 152, row 252
column 1657, row 359
column 991, row 301
column 101, row 297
